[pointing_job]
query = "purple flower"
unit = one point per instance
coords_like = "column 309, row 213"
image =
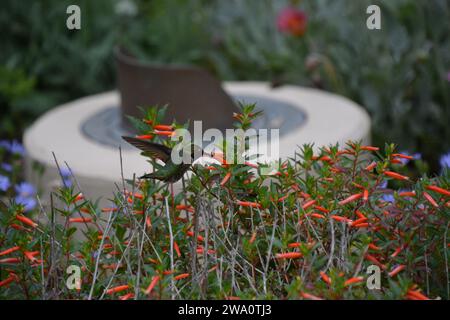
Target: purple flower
column 25, row 189
column 7, row 167
column 14, row 147
column 4, row 183
column 17, row 148
column 25, row 195
column 28, row 203
column 388, row 197
column 66, row 175
column 445, row 161
column 416, row 156
column 383, row 184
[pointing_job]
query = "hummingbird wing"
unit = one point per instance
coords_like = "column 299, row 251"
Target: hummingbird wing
column 154, row 150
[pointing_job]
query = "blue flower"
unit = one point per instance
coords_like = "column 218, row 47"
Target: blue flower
column 25, row 189
column 66, row 175
column 7, row 167
column 4, row 183
column 25, row 195
column 28, row 203
column 17, row 148
column 383, row 184
column 445, row 161
column 388, row 197
column 14, row 147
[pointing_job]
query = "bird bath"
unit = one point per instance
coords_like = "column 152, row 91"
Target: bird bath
column 86, row 133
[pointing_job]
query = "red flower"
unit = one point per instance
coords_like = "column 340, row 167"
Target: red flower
column 292, row 20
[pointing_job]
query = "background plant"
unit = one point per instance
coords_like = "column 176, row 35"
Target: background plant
column 399, row 74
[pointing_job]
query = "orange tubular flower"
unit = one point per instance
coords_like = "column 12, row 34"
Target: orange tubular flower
column 145, row 137
column 395, row 175
column 105, row 210
column 407, row 194
column 308, row 204
column 199, row 237
column 79, row 197
column 26, row 221
column 317, row 216
column 9, row 260
column 351, row 199
column 361, row 220
column 376, row 261
column 309, row 296
column 402, row 156
column 360, row 214
column 325, row 278
column 439, row 190
column 371, row 166
column 165, row 133
column 294, row 245
column 366, row 195
column 181, row 276
column 253, row 238
column 80, row 220
column 283, row 198
column 396, row 161
column 374, row 247
column 430, row 199
column 249, row 204
column 353, row 281
column 288, row 255
column 396, row 252
column 225, row 179
column 127, row 296
column 341, row 219
column 369, row 148
column 321, row 209
column 185, row 207
column 31, row 255
column 148, row 222
column 177, row 248
column 416, row 295
column 396, row 270
column 10, row 250
column 117, row 289
column 152, row 284
column 85, row 210
column 163, row 127
column 12, row 277
column 168, row 272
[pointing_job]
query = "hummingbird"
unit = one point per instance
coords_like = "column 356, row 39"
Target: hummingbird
column 170, row 172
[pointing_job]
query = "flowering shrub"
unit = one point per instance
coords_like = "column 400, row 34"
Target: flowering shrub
column 310, row 231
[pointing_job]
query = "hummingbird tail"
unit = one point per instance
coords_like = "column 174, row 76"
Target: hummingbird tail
column 150, row 176
column 147, row 176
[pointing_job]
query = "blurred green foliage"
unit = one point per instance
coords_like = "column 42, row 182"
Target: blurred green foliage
column 398, row 73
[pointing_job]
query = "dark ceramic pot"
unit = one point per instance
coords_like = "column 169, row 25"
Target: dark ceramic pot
column 191, row 93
